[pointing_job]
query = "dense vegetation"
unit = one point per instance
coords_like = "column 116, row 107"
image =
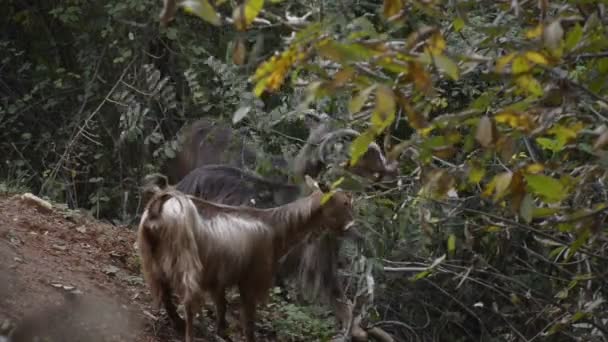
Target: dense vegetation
column 496, row 110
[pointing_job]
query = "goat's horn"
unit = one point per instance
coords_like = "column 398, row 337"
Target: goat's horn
column 332, row 136
column 311, row 183
column 156, row 179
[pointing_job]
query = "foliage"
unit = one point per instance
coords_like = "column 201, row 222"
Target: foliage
column 297, row 323
column 527, row 149
column 498, row 111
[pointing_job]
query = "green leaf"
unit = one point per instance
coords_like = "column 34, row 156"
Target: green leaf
column 476, row 173
column 584, row 235
column 357, row 102
column 337, row 183
column 451, row 244
column 384, row 113
column 527, row 208
column 420, row 275
column 529, row 84
column 327, row 196
column 359, row 146
column 484, row 100
column 549, row 188
column 553, row 145
column 544, row 212
column 520, row 65
column 244, row 14
column 458, row 24
column 203, row 10
column 573, row 37
column 447, row 65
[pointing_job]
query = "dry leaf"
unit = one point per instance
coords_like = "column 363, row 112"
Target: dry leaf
column 485, row 131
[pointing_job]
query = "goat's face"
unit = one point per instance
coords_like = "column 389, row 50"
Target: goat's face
column 337, row 213
column 374, row 165
column 152, row 218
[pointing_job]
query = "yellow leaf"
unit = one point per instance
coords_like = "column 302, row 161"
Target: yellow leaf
column 202, row 9
column 566, row 134
column 244, row 14
column 519, row 121
column 520, row 65
column 535, row 168
column 476, row 173
column 384, row 113
column 529, row 84
column 549, row 188
column 485, row 131
column 436, row 44
column 536, row 32
column 502, row 62
column 392, row 7
column 536, row 57
column 507, row 117
column 260, row 87
column 451, row 244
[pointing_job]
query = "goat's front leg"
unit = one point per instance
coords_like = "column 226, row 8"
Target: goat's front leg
column 189, row 321
column 248, row 314
column 178, row 322
column 219, row 298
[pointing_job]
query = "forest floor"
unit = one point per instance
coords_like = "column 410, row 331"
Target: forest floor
column 77, row 279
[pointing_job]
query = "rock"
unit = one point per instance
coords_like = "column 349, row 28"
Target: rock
column 37, row 202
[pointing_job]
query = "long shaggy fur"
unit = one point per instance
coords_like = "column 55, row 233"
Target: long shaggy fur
column 189, row 245
column 312, row 264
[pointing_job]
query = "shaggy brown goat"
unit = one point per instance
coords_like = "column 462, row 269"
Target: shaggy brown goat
column 192, row 246
column 314, row 264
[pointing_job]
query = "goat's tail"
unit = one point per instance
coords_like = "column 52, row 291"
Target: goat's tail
column 168, row 246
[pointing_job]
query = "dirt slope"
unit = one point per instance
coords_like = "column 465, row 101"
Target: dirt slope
column 74, row 278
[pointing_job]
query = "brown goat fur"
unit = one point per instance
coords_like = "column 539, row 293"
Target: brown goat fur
column 192, row 246
column 313, row 264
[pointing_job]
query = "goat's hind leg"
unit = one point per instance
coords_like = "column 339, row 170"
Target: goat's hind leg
column 189, row 322
column 248, row 313
column 219, row 298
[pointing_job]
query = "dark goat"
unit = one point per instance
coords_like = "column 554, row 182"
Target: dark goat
column 314, row 156
column 205, row 142
column 314, row 264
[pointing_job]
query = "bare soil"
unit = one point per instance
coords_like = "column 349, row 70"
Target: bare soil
column 72, row 278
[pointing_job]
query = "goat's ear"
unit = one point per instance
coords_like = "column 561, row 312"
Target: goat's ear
column 311, row 183
column 156, row 179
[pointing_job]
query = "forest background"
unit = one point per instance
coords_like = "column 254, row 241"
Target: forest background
column 495, row 110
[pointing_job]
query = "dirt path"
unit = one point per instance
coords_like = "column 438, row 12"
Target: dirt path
column 74, row 278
